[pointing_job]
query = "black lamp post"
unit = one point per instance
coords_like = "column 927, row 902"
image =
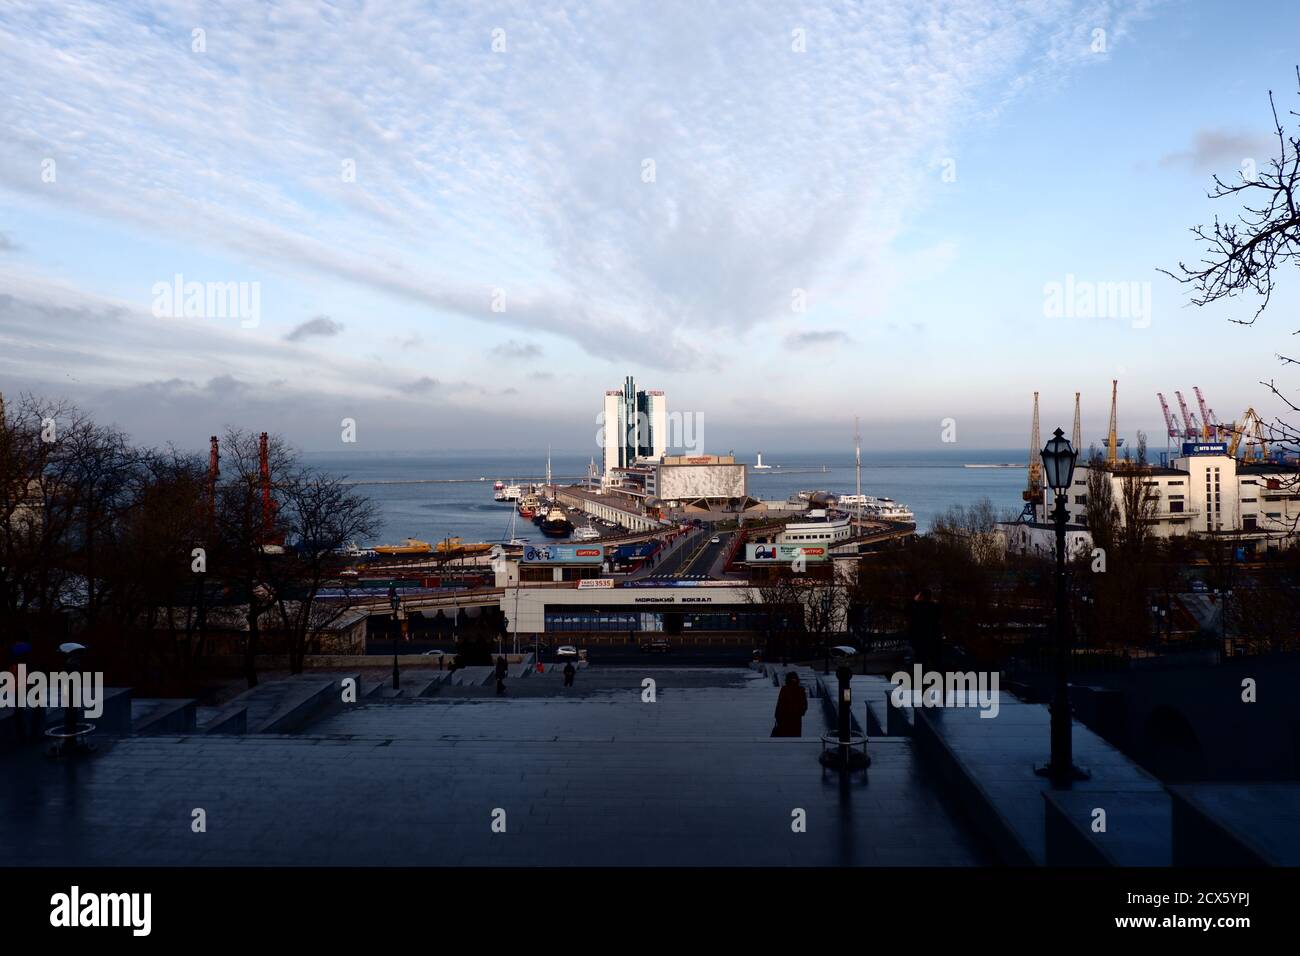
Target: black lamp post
column 1058, row 470
column 1223, row 594
column 396, row 601
column 826, row 630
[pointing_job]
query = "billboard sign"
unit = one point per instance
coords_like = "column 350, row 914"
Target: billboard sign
column 784, row 552
column 1205, row 448
column 589, row 583
column 563, row 554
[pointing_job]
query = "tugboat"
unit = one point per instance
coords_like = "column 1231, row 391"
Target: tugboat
column 556, row 523
column 528, row 505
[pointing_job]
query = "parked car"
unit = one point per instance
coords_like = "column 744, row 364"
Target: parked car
column 1199, row 587
column 659, row 646
column 566, row 650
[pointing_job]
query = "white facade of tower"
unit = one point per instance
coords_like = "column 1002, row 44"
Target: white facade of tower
column 611, row 430
column 658, row 424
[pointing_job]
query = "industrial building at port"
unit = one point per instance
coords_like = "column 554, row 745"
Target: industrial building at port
column 1218, row 481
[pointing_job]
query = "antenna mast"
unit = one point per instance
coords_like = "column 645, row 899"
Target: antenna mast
column 857, row 459
column 1112, row 436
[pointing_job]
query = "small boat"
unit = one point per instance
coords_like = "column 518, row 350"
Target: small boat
column 410, row 546
column 498, row 486
column 585, row 533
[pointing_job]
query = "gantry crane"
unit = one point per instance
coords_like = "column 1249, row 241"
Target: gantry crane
column 1034, row 493
column 1170, row 428
column 1189, row 424
column 1209, row 428
column 1250, row 428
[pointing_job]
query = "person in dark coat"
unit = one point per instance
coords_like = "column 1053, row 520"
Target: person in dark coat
column 501, row 675
column 569, row 671
column 924, row 631
column 791, row 705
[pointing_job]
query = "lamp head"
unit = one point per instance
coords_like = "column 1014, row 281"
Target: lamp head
column 1058, row 462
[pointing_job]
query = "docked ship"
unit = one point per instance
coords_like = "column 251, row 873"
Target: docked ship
column 585, row 533
column 528, row 505
column 556, row 524
column 456, row 545
column 886, row 509
column 511, row 492
column 409, row 546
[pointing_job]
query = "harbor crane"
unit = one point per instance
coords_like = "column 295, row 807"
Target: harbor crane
column 1189, row 423
column 1171, row 429
column 1034, row 493
column 1076, row 438
column 1209, row 425
column 1252, row 429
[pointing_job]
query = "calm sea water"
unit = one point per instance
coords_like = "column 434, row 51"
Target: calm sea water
column 461, row 504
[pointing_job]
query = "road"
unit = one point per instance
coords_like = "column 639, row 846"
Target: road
column 708, row 556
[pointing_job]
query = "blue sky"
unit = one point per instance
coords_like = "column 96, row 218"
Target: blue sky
column 917, row 174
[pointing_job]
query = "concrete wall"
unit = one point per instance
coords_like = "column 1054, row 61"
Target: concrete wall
column 1191, row 723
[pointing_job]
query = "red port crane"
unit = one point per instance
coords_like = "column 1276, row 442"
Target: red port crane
column 1208, row 427
column 1170, row 428
column 1189, row 423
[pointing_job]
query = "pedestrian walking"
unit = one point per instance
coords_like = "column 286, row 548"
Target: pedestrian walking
column 791, row 705
column 569, row 671
column 502, row 667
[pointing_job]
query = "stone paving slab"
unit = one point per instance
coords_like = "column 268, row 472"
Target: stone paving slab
column 994, row 760
column 1236, row 824
column 389, row 800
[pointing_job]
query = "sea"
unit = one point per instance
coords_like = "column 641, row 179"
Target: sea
column 433, row 496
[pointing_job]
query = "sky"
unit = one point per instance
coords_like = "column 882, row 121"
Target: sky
column 456, row 224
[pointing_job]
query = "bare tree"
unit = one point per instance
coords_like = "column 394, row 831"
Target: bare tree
column 249, row 530
column 1139, row 500
column 1245, row 256
column 322, row 514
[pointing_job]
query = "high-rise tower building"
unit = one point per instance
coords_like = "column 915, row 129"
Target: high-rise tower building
column 635, row 426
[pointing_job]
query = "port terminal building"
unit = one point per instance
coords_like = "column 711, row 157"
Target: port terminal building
column 667, row 606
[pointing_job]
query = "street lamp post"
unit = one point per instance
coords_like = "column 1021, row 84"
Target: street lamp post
column 826, row 630
column 1058, row 469
column 1223, row 594
column 396, row 602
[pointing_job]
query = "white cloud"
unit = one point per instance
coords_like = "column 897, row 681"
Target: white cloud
column 523, row 171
